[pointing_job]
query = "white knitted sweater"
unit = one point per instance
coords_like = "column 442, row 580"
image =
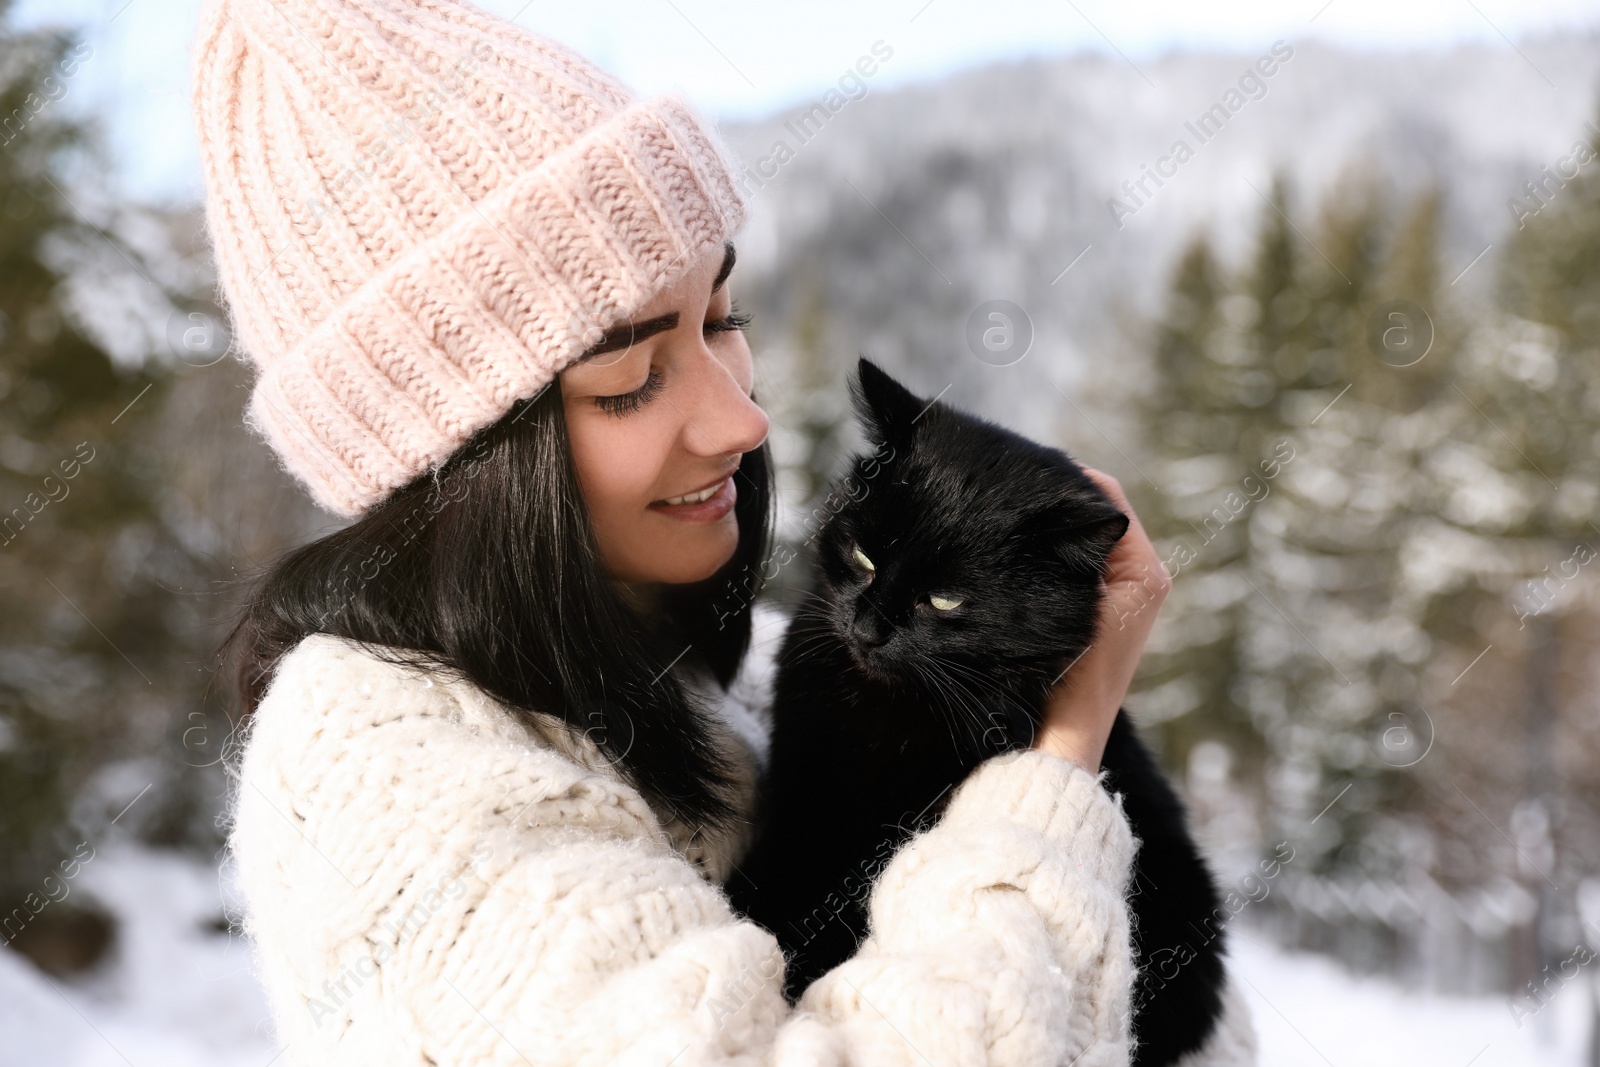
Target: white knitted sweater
column 428, row 882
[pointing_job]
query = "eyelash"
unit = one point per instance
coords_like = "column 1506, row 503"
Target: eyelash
column 734, row 320
column 628, row 403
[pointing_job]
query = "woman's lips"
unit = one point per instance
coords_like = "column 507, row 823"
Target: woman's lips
column 711, row 509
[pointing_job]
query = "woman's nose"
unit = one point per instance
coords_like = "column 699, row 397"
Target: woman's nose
column 722, row 417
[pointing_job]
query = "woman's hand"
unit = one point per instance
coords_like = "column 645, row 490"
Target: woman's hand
column 1080, row 709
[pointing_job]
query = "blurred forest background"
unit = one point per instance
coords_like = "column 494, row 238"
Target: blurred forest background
column 1374, row 460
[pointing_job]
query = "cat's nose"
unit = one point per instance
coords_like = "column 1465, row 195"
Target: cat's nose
column 870, row 630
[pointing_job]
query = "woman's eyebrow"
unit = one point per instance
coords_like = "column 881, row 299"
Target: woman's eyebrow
column 727, row 266
column 631, row 333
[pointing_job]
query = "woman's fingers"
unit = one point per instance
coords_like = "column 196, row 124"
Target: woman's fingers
column 1080, row 710
column 1134, row 569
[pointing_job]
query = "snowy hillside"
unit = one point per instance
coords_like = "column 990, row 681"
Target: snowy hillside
column 999, row 179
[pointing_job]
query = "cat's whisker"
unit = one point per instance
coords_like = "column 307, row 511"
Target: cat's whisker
column 808, row 594
column 805, row 645
column 955, row 672
column 983, row 679
column 945, row 712
column 818, row 597
column 975, row 675
column 946, row 683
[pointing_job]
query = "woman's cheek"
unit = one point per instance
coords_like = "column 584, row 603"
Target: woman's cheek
column 639, row 459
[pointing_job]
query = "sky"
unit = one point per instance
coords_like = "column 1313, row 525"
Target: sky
column 742, row 60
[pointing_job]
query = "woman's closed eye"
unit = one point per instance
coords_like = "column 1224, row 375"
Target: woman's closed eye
column 627, row 403
column 734, row 320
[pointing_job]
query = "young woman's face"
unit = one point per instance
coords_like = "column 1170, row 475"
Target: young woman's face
column 664, row 411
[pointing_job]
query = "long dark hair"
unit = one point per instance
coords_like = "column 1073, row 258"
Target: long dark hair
column 487, row 569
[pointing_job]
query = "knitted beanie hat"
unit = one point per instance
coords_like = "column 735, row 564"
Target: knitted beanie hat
column 421, row 213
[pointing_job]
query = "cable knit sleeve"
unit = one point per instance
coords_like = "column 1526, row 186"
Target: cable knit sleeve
column 424, row 891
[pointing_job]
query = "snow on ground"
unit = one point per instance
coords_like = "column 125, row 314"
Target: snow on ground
column 175, row 993
column 178, row 993
column 1310, row 1012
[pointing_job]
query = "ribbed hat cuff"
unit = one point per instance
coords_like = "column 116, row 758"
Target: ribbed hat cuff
column 404, row 371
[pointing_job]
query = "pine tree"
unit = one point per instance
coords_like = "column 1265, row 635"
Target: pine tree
column 1531, row 383
column 1339, row 630
column 88, row 676
column 1188, row 418
column 53, row 384
column 1301, row 631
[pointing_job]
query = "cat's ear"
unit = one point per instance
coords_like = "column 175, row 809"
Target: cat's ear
column 1086, row 543
column 885, row 407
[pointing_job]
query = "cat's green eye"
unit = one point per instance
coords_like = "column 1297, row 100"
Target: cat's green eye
column 861, row 558
column 944, row 603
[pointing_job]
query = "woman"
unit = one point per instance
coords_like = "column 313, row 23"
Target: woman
column 493, row 772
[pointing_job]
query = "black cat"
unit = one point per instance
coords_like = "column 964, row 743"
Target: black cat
column 955, row 585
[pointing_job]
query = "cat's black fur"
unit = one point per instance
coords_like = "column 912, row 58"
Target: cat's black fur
column 883, row 703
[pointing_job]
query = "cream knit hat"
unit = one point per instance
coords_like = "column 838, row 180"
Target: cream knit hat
column 421, row 213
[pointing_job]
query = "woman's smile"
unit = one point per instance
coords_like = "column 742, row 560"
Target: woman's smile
column 701, row 507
